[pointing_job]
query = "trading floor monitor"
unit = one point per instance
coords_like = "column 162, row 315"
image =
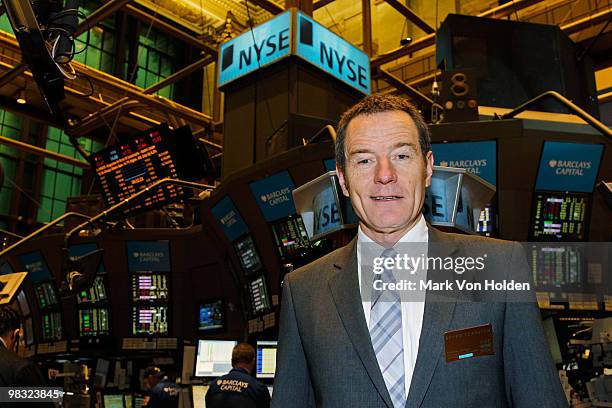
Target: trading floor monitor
column 266, row 359
column 214, row 358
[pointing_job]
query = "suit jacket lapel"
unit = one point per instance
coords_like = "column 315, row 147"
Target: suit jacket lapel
column 436, row 319
column 344, row 287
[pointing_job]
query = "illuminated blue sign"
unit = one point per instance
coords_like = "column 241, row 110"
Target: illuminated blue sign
column 273, row 195
column 334, row 55
column 569, row 166
column 84, row 249
column 330, row 164
column 148, row 256
column 229, row 219
column 478, row 158
column 36, row 266
column 255, row 48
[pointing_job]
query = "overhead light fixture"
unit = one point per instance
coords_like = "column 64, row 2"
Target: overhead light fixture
column 21, row 99
column 406, row 41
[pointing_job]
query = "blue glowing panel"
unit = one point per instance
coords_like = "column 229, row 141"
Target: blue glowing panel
column 569, row 167
column 273, row 195
column 229, row 219
column 332, row 54
column 255, row 48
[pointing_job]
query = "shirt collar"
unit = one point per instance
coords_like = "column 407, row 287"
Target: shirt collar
column 418, row 233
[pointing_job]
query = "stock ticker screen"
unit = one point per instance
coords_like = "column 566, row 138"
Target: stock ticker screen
column 149, row 320
column 45, row 295
column 126, row 169
column 259, row 295
column 149, row 286
column 559, row 216
column 290, row 235
column 247, row 255
column 93, row 322
column 96, row 293
column 557, row 266
column 52, row 326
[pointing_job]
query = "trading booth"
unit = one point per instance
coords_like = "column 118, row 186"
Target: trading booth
column 180, row 293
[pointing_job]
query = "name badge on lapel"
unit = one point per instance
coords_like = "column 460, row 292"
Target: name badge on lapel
column 467, row 343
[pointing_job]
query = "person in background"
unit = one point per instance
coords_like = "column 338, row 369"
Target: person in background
column 14, row 370
column 163, row 393
column 238, row 389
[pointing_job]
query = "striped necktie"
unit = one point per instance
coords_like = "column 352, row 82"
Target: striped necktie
column 386, row 335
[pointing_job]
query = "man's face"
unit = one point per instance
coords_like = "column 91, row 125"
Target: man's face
column 385, row 174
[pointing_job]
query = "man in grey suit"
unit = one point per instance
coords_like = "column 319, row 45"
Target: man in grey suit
column 344, row 344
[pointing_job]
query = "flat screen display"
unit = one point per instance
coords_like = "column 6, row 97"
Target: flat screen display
column 290, row 235
column 559, row 216
column 45, row 295
column 247, row 255
column 149, row 320
column 149, row 286
column 126, row 169
column 266, row 359
column 210, row 316
column 23, row 303
column 36, row 266
column 150, row 256
column 96, row 293
column 214, row 357
column 52, row 326
column 113, row 401
column 259, row 295
column 93, row 322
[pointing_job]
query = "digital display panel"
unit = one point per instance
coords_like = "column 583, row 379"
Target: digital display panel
column 124, row 170
column 247, row 255
column 559, row 217
column 210, row 316
column 557, row 266
column 266, row 359
column 78, row 250
column 36, row 266
column 96, row 293
column 149, row 320
column 214, row 358
column 29, row 331
column 486, row 221
column 149, row 286
column 151, row 256
column 93, row 322
column 52, row 326
column 259, row 295
column 290, row 235
column 113, row 401
column 45, row 295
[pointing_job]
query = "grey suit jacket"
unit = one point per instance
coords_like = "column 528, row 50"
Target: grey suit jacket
column 325, row 357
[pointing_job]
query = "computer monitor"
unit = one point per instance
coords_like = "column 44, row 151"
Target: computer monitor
column 149, row 287
column 149, row 320
column 211, row 316
column 214, row 358
column 558, row 216
column 556, row 266
column 96, row 293
column 247, row 255
column 52, row 326
column 266, row 359
column 198, row 395
column 78, row 250
column 128, row 400
column 93, row 322
column 113, row 401
column 126, row 169
column 45, row 295
column 258, row 294
column 290, row 235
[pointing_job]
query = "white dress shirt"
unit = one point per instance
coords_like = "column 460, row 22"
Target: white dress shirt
column 412, row 311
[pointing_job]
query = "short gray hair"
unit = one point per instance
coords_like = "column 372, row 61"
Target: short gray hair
column 377, row 104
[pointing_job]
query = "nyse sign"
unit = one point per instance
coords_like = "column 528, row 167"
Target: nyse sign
column 294, row 33
column 334, row 55
column 255, row 48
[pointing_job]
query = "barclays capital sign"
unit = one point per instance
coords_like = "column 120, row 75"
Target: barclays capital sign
column 294, row 33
